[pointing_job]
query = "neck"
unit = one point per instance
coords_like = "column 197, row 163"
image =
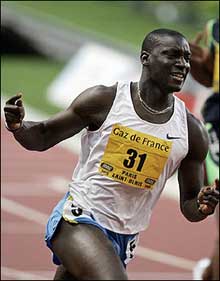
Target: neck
column 152, row 94
column 155, row 101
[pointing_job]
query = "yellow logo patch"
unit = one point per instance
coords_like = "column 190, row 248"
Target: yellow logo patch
column 134, row 158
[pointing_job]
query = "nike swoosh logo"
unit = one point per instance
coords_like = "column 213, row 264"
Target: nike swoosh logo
column 172, row 138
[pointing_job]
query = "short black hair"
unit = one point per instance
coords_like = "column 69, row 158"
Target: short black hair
column 154, row 36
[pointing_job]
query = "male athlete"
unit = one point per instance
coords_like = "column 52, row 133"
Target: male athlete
column 137, row 135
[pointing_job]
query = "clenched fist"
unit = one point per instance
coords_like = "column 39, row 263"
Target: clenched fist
column 208, row 198
column 14, row 112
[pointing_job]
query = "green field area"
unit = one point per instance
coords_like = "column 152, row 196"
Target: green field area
column 31, row 76
column 119, row 22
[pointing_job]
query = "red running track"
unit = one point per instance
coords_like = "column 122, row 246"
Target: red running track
column 30, row 182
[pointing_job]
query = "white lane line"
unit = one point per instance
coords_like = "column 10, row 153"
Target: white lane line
column 165, row 258
column 33, row 215
column 55, row 183
column 25, row 189
column 18, row 228
column 15, row 274
column 159, row 275
column 20, row 210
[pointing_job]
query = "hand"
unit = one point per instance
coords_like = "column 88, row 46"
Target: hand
column 14, row 112
column 199, row 54
column 201, row 38
column 208, row 198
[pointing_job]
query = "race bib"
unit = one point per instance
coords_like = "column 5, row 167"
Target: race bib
column 134, row 158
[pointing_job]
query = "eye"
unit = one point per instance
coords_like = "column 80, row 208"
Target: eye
column 169, row 55
column 172, row 56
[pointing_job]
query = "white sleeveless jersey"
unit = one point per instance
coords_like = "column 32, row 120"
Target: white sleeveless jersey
column 124, row 164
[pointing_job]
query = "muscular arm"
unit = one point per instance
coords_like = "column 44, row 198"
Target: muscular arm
column 190, row 173
column 89, row 109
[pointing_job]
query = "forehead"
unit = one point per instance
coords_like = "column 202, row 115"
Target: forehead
column 169, row 42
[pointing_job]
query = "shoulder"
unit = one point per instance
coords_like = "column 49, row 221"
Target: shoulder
column 94, row 103
column 198, row 138
column 95, row 96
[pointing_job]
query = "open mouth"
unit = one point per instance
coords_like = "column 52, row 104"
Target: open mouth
column 177, row 76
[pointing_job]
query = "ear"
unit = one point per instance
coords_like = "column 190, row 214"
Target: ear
column 144, row 57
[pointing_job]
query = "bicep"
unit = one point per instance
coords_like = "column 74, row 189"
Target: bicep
column 76, row 117
column 191, row 170
column 190, row 178
column 89, row 109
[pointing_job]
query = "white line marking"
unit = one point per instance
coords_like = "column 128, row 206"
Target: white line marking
column 160, row 276
column 26, row 189
column 20, row 275
column 57, row 184
column 165, row 258
column 25, row 228
column 20, row 210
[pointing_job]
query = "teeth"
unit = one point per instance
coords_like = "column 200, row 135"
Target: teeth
column 177, row 75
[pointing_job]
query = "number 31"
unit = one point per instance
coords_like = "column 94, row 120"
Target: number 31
column 129, row 163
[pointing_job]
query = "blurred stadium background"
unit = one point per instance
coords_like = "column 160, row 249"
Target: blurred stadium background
column 51, row 51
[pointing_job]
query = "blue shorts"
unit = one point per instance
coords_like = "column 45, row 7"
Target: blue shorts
column 124, row 244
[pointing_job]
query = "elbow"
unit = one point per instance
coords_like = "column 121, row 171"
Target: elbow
column 191, row 213
column 33, row 137
column 186, row 214
column 41, row 149
column 32, row 145
column 190, row 218
column 42, row 146
column 34, row 148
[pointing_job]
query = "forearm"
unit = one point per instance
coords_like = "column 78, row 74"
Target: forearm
column 43, row 135
column 31, row 135
column 190, row 210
